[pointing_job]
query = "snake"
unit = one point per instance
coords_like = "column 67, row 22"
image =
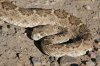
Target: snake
column 61, row 33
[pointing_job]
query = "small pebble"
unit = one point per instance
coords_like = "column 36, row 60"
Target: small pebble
column 98, row 58
column 98, row 40
column 90, row 63
column 93, row 54
column 36, row 62
column 98, row 64
column 66, row 61
column 87, row 7
column 53, row 61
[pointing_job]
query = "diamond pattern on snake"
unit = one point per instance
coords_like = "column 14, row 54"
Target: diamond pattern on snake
column 61, row 32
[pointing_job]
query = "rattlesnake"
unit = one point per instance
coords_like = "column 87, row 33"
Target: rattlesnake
column 62, row 33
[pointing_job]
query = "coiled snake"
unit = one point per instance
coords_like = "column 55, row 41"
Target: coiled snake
column 61, row 33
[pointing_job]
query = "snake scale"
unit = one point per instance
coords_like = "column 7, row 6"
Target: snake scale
column 62, row 33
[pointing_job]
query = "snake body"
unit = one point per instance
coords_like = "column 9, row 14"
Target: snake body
column 62, row 33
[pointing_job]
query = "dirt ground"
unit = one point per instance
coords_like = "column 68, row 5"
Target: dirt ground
column 18, row 49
